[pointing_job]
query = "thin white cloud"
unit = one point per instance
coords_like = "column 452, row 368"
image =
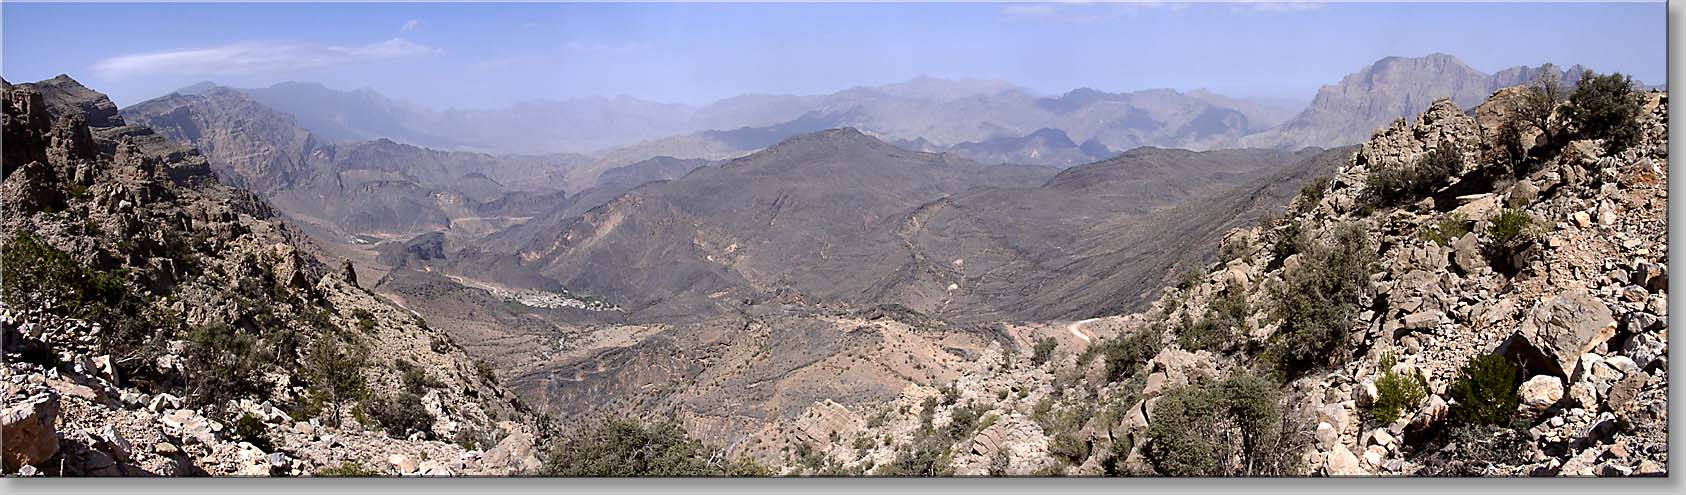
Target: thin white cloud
column 410, row 25
column 255, row 57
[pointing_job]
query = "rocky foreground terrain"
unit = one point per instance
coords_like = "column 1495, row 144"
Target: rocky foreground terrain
column 160, row 323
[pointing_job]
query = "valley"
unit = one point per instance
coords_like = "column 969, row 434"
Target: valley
column 932, row 277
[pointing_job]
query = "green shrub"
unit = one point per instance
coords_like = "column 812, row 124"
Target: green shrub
column 334, row 369
column 1312, row 191
column 1605, row 107
column 1217, row 329
column 401, row 415
column 484, row 369
column 1289, row 240
column 950, row 393
column 415, row 380
column 1317, row 301
column 1043, row 351
column 1396, row 393
column 925, row 455
column 1123, row 355
column 1447, row 230
column 222, row 363
column 365, row 320
column 1485, row 392
column 1235, row 247
column 626, row 447
column 251, row 430
column 1228, row 428
column 1509, row 233
column 350, row 469
column 1404, row 183
column 1068, row 448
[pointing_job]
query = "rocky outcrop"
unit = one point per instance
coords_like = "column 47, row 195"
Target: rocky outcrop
column 158, row 322
column 29, row 433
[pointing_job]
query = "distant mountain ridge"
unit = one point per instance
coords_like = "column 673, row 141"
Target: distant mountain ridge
column 1349, row 111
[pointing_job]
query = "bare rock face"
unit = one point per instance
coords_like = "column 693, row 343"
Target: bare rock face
column 29, row 431
column 516, row 453
column 1402, row 142
column 1565, row 327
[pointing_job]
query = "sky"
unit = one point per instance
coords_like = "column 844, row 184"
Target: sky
column 492, row 55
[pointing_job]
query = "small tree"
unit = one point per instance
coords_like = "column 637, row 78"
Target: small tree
column 1605, row 107
column 1043, row 351
column 1227, row 428
column 1539, row 102
column 335, row 368
column 1316, row 301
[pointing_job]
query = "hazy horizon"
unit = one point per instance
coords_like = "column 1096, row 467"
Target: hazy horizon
column 489, row 56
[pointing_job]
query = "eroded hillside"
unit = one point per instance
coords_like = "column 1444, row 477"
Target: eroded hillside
column 158, row 322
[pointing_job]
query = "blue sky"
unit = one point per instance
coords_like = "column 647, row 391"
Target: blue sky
column 488, row 55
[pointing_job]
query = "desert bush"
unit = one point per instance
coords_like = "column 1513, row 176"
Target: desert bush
column 1389, row 185
column 334, row 368
column 1472, row 450
column 484, row 370
column 1509, row 233
column 1069, row 448
column 626, row 447
column 1312, row 192
column 1485, row 392
column 1538, row 103
column 1043, row 351
column 416, row 380
column 1217, row 329
column 924, row 455
column 1289, row 240
column 1446, row 230
column 1316, row 301
column 1123, row 355
column 1226, row 428
column 1396, row 393
column 221, row 363
column 365, row 320
column 1235, row 247
column 401, row 415
column 251, row 430
column 1605, row 107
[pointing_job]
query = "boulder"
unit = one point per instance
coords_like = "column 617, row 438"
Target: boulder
column 1561, row 329
column 1422, row 320
column 1466, row 253
column 28, row 428
column 403, row 463
column 1623, row 394
column 515, row 453
column 1342, row 462
column 1539, row 394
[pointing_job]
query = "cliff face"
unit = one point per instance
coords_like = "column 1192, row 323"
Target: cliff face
column 1392, row 88
column 159, row 322
column 1553, row 273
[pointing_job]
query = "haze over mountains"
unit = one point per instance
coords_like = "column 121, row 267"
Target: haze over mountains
column 890, row 194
